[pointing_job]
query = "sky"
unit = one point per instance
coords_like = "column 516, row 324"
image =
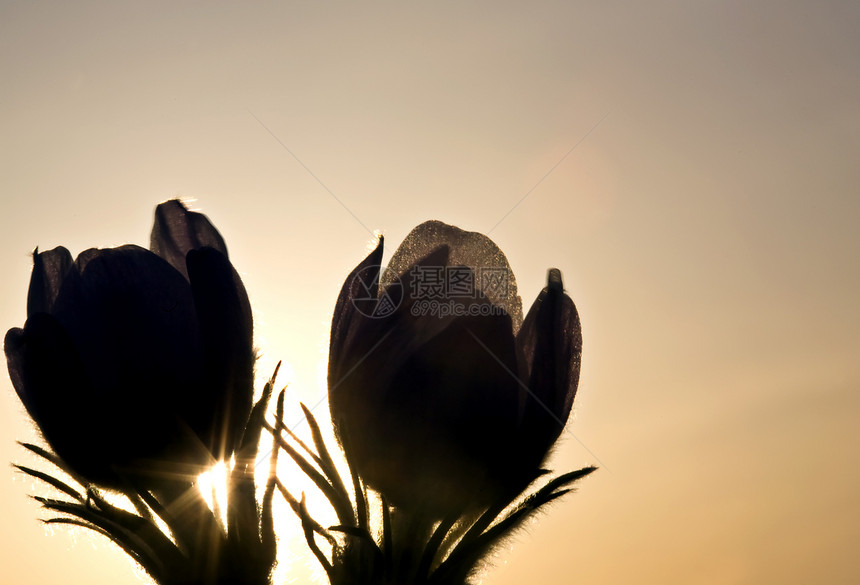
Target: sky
column 690, row 167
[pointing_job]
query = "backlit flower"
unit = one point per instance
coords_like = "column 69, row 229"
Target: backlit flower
column 443, row 398
column 136, row 363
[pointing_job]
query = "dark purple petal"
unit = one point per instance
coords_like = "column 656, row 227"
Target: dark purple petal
column 226, row 332
column 51, row 382
column 494, row 278
column 362, row 283
column 49, row 270
column 364, row 345
column 176, row 231
column 453, row 401
column 13, row 346
column 131, row 316
column 550, row 341
column 413, row 330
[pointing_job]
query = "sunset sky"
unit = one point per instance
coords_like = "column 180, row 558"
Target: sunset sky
column 690, row 167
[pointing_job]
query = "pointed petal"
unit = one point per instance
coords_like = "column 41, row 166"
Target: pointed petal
column 226, row 331
column 550, row 340
column 366, row 345
column 176, row 231
column 49, row 270
column 359, row 290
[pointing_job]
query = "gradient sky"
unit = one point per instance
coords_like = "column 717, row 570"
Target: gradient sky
column 706, row 225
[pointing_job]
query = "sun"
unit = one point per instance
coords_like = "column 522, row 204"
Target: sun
column 294, row 564
column 212, row 484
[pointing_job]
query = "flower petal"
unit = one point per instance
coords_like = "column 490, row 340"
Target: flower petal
column 550, row 341
column 49, row 270
column 132, row 318
column 362, row 344
column 454, row 400
column 226, row 331
column 177, row 230
column 361, row 284
column 51, row 382
column 493, row 275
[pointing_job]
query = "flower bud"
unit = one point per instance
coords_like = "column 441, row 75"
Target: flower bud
column 135, row 365
column 446, row 411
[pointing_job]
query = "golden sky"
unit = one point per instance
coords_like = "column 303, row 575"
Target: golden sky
column 705, row 224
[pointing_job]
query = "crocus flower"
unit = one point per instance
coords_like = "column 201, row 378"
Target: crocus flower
column 441, row 409
column 136, row 363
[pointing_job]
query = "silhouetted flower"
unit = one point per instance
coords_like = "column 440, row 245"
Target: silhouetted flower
column 137, row 363
column 443, row 398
